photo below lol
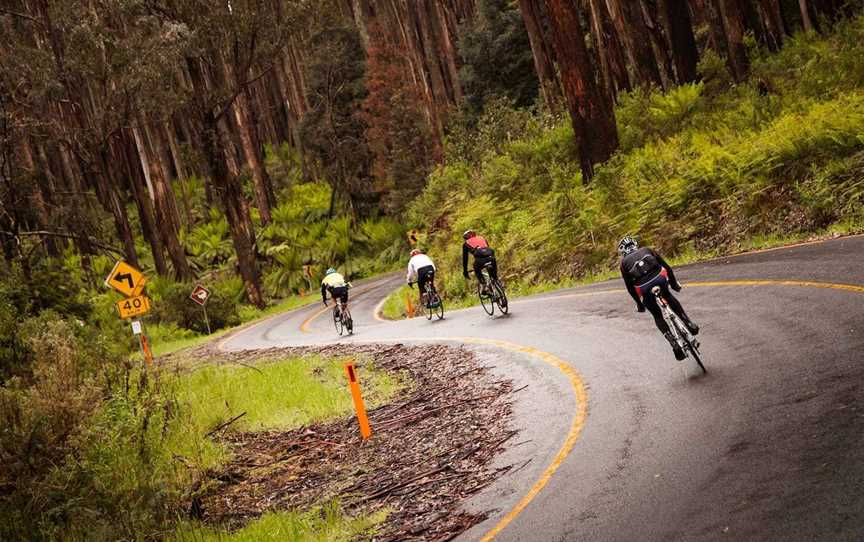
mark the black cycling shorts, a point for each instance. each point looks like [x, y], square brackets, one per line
[341, 292]
[424, 275]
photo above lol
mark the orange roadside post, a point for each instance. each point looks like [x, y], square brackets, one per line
[409, 306]
[145, 347]
[362, 419]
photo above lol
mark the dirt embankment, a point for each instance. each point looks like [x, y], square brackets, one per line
[431, 449]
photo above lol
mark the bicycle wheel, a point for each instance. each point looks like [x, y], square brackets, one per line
[690, 345]
[439, 309]
[348, 323]
[687, 342]
[501, 297]
[337, 321]
[485, 299]
[429, 300]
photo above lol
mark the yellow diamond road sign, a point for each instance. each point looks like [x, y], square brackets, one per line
[126, 279]
[133, 306]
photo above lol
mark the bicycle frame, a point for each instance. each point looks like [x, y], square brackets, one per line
[688, 344]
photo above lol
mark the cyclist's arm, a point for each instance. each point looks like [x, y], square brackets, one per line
[410, 277]
[672, 280]
[631, 288]
[324, 293]
[465, 259]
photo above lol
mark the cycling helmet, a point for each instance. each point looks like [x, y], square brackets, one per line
[468, 234]
[415, 252]
[330, 272]
[627, 245]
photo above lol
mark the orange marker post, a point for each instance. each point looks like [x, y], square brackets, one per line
[362, 419]
[145, 348]
[409, 306]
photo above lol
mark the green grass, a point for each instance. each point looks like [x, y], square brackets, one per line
[167, 339]
[281, 394]
[326, 524]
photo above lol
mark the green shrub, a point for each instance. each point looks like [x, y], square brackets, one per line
[171, 304]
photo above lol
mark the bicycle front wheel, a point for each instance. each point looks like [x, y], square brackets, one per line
[337, 321]
[485, 299]
[439, 309]
[693, 350]
[349, 323]
[430, 298]
[501, 297]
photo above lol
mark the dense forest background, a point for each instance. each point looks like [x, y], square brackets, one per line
[250, 144]
[182, 136]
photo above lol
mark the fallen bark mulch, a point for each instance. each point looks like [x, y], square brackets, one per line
[431, 449]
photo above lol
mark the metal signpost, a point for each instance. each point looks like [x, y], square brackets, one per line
[200, 295]
[130, 282]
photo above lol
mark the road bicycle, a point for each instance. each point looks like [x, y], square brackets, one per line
[433, 304]
[491, 292]
[686, 341]
[342, 318]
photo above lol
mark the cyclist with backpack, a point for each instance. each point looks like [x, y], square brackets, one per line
[642, 269]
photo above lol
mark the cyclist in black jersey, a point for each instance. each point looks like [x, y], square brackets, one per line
[642, 270]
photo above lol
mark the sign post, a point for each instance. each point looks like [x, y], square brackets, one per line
[354, 385]
[130, 282]
[200, 295]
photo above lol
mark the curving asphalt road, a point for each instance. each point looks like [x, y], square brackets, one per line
[622, 445]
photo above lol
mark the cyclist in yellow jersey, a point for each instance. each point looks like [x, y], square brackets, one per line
[337, 286]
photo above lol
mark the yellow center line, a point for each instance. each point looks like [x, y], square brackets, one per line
[577, 385]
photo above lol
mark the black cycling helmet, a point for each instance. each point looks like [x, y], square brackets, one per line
[627, 245]
[468, 234]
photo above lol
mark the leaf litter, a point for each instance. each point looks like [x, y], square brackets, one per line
[431, 449]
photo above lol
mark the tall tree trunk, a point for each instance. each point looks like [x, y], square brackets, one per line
[230, 193]
[542, 52]
[630, 25]
[592, 118]
[165, 205]
[805, 16]
[610, 48]
[682, 40]
[774, 21]
[263, 187]
[705, 12]
[180, 167]
[730, 14]
[660, 45]
[39, 197]
[118, 210]
[144, 205]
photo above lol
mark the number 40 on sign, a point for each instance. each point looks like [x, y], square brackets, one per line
[133, 306]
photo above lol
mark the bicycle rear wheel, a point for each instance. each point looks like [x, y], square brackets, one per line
[337, 321]
[439, 309]
[501, 297]
[430, 298]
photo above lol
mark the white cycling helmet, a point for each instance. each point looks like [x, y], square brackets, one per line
[627, 245]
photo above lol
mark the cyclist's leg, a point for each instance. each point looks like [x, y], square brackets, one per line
[493, 269]
[676, 307]
[343, 295]
[478, 268]
[422, 279]
[650, 303]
